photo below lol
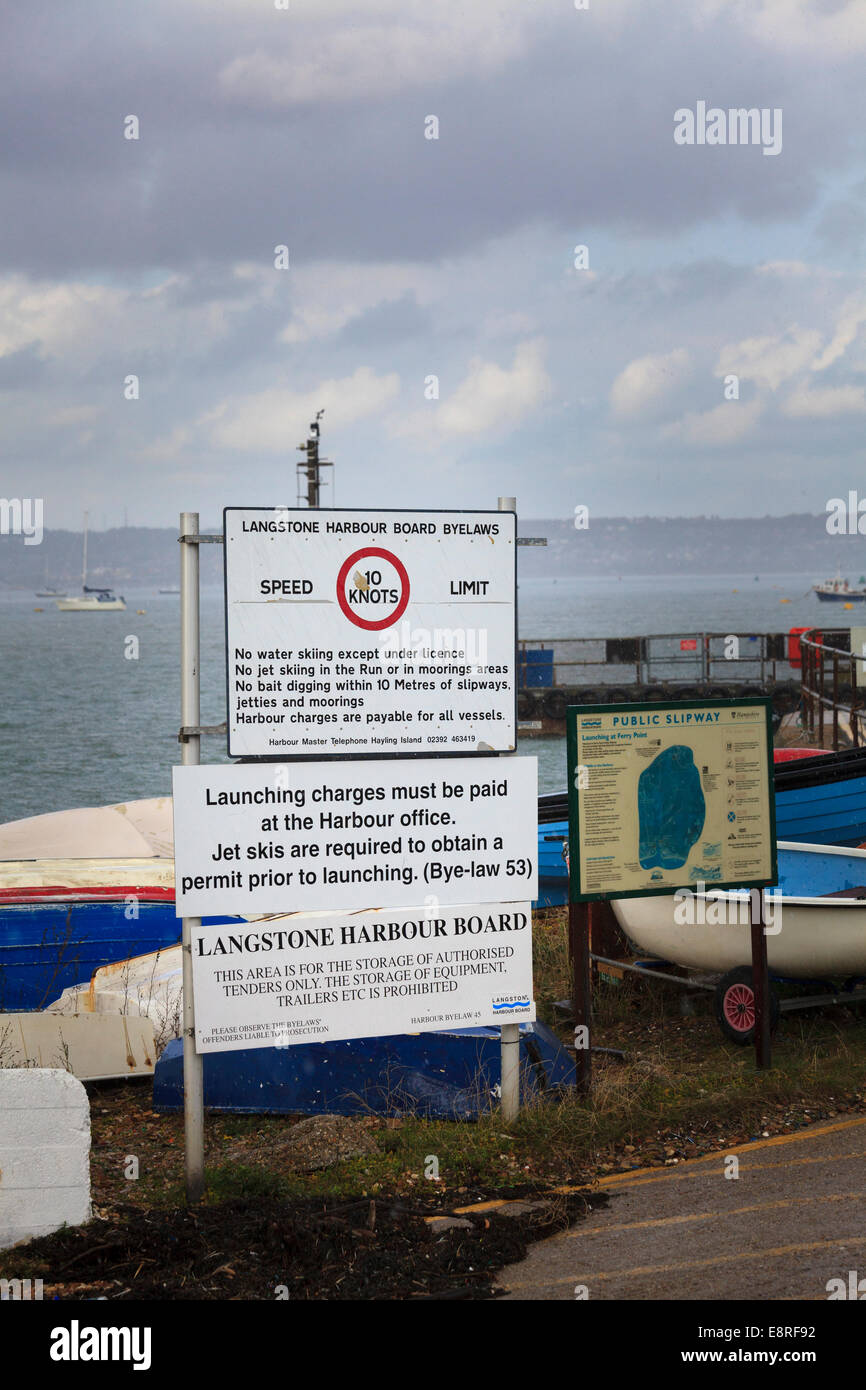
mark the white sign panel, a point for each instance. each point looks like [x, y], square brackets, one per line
[280, 837]
[351, 632]
[307, 979]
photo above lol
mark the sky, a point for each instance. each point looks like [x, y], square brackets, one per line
[433, 303]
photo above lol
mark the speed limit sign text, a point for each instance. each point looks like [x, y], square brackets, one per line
[353, 632]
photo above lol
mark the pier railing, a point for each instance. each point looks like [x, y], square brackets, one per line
[833, 683]
[700, 658]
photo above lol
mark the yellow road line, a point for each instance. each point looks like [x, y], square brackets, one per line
[641, 1176]
[777, 1251]
[758, 1167]
[716, 1215]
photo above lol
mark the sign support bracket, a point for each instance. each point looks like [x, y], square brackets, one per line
[196, 730]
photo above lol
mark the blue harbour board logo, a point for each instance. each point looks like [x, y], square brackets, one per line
[509, 1001]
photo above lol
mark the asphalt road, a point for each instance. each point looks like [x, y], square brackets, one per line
[793, 1219]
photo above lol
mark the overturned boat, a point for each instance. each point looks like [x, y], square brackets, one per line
[81, 889]
[451, 1074]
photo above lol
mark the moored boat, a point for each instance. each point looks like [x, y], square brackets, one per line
[838, 590]
[91, 600]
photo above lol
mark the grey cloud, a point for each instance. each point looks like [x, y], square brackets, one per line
[23, 368]
[576, 131]
[391, 322]
[842, 228]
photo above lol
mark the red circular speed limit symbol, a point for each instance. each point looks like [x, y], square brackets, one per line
[373, 595]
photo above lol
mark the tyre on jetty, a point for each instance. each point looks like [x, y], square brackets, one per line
[555, 704]
[527, 706]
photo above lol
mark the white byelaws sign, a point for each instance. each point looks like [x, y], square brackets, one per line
[354, 632]
[297, 837]
[310, 979]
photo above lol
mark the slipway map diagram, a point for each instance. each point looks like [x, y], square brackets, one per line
[671, 808]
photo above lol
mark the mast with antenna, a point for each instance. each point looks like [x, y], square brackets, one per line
[308, 468]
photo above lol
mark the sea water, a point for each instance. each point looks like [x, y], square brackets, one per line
[83, 723]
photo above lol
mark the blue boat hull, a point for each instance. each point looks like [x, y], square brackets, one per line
[841, 596]
[49, 946]
[451, 1075]
[829, 813]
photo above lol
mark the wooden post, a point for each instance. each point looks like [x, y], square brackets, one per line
[581, 1001]
[760, 983]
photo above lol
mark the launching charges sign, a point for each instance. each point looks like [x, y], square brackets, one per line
[358, 632]
[301, 837]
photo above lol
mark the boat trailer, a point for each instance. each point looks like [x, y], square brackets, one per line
[733, 993]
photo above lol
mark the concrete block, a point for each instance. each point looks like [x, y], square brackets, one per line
[44, 1153]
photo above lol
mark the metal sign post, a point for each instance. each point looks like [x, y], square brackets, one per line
[509, 1033]
[190, 737]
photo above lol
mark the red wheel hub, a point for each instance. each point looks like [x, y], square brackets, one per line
[739, 1007]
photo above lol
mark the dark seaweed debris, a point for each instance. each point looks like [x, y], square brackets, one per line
[264, 1248]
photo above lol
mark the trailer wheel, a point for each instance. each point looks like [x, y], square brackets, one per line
[735, 1006]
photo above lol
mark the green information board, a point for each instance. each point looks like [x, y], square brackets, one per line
[670, 795]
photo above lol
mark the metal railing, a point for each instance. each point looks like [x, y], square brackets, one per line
[694, 657]
[832, 678]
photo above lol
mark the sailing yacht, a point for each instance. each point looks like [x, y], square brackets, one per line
[92, 600]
